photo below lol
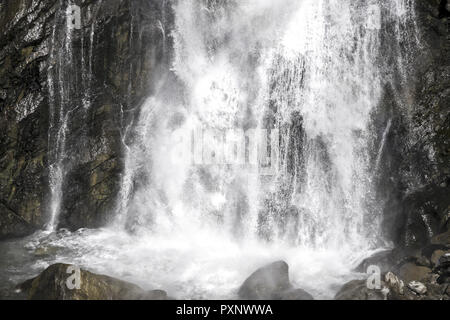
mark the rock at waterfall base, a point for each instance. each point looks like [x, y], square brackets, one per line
[271, 283]
[417, 287]
[410, 272]
[443, 269]
[393, 287]
[358, 290]
[53, 284]
[384, 260]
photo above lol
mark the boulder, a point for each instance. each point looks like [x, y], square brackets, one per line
[293, 294]
[436, 256]
[383, 259]
[417, 287]
[358, 290]
[271, 283]
[442, 239]
[55, 283]
[411, 272]
[389, 259]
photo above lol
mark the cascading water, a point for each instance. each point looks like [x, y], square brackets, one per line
[65, 83]
[309, 70]
[59, 83]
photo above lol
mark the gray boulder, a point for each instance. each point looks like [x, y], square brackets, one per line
[357, 290]
[271, 283]
[52, 284]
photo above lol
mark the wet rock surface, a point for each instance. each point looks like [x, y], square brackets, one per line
[271, 283]
[23, 115]
[127, 53]
[357, 290]
[114, 58]
[422, 274]
[55, 283]
[384, 260]
[416, 179]
[415, 172]
[394, 290]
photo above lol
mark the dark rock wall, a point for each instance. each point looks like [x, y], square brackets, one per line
[23, 114]
[96, 79]
[416, 163]
[128, 56]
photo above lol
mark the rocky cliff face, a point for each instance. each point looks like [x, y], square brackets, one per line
[429, 144]
[24, 114]
[416, 167]
[56, 114]
[416, 180]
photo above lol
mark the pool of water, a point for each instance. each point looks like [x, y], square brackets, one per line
[204, 266]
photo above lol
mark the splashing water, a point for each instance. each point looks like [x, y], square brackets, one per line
[311, 69]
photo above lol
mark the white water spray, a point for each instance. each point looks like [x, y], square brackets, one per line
[382, 145]
[309, 71]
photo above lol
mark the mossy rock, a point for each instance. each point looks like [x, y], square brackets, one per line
[55, 283]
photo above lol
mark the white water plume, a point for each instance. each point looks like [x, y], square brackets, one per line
[247, 63]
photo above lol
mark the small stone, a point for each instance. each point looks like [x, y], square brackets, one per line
[418, 287]
[391, 278]
[433, 278]
[394, 282]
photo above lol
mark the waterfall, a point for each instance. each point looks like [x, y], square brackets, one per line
[59, 83]
[70, 73]
[310, 69]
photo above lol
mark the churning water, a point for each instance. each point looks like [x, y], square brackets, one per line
[310, 69]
